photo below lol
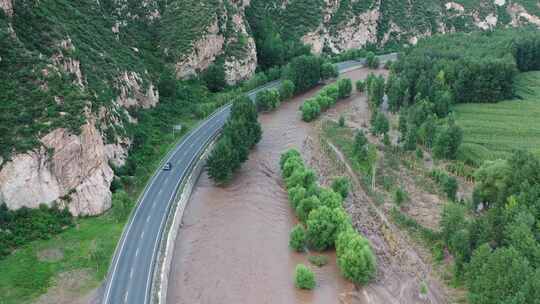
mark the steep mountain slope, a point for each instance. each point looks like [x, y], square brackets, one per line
[72, 72]
[334, 26]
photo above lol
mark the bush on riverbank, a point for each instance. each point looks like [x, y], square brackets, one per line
[297, 238]
[304, 277]
[355, 257]
[268, 100]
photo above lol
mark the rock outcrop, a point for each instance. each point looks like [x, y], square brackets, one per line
[71, 170]
[227, 32]
[7, 7]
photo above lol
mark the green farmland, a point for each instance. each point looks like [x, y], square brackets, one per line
[494, 130]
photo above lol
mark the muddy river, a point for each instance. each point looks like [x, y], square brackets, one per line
[233, 246]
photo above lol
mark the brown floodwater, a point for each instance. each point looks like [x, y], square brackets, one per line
[233, 246]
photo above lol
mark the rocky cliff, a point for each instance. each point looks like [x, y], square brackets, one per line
[334, 26]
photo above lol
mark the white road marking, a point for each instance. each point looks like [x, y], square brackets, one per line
[137, 252]
[131, 273]
[148, 219]
[142, 234]
[126, 297]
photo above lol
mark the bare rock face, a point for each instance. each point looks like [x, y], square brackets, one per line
[214, 43]
[132, 92]
[520, 15]
[70, 169]
[7, 6]
[241, 68]
[204, 52]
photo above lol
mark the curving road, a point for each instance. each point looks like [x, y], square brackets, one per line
[130, 275]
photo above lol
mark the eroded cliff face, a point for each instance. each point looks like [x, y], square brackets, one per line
[355, 24]
[7, 7]
[70, 163]
[71, 170]
[227, 37]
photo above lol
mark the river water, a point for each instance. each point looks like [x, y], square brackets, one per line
[233, 246]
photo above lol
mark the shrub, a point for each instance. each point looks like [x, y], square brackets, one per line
[328, 70]
[297, 238]
[286, 91]
[318, 260]
[304, 277]
[291, 153]
[360, 147]
[372, 61]
[267, 100]
[305, 206]
[121, 206]
[344, 88]
[355, 257]
[341, 121]
[304, 71]
[448, 183]
[296, 195]
[324, 225]
[400, 196]
[380, 124]
[214, 77]
[360, 86]
[330, 198]
[341, 185]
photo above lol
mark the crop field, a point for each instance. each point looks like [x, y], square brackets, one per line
[494, 130]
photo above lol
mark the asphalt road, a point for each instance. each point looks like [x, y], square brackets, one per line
[130, 276]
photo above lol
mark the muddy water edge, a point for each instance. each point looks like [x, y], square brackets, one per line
[233, 245]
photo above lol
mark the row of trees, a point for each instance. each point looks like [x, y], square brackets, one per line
[327, 97]
[240, 134]
[324, 222]
[21, 226]
[497, 252]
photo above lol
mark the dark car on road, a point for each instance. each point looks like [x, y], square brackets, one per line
[167, 167]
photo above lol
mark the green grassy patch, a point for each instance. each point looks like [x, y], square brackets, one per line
[494, 130]
[343, 139]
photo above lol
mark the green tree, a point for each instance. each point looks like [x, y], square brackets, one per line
[214, 77]
[324, 225]
[447, 142]
[372, 61]
[297, 238]
[221, 161]
[286, 90]
[267, 100]
[381, 125]
[328, 70]
[306, 206]
[304, 277]
[376, 91]
[304, 72]
[355, 257]
[501, 276]
[360, 147]
[341, 185]
[360, 86]
[344, 88]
